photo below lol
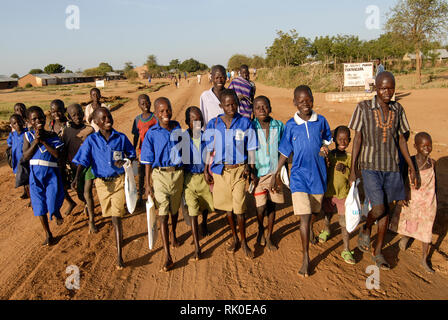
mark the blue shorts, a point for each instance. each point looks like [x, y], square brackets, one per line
[383, 187]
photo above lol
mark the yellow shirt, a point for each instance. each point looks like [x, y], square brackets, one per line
[337, 182]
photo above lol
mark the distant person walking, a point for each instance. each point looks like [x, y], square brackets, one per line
[379, 68]
[199, 78]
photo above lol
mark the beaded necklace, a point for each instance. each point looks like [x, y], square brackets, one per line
[383, 125]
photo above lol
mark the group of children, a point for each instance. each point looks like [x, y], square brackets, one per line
[223, 158]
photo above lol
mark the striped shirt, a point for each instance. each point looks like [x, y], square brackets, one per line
[380, 138]
[247, 90]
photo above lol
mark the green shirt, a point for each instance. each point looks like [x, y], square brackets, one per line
[337, 182]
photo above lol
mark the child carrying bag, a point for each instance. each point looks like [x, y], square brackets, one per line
[352, 207]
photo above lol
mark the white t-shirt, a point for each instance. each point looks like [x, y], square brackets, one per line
[209, 105]
[89, 111]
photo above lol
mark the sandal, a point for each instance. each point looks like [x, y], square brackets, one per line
[323, 236]
[363, 241]
[381, 262]
[348, 256]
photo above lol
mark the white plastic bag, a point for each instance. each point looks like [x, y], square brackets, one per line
[352, 208]
[284, 176]
[130, 189]
[366, 207]
[151, 219]
[185, 211]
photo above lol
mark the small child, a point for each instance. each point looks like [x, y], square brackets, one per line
[73, 136]
[105, 151]
[338, 172]
[234, 143]
[95, 95]
[198, 197]
[15, 141]
[42, 149]
[164, 174]
[57, 125]
[307, 136]
[20, 109]
[141, 125]
[270, 132]
[414, 218]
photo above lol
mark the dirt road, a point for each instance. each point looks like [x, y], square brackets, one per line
[30, 271]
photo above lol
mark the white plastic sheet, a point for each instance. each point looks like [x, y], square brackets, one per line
[352, 207]
[130, 188]
[151, 219]
[284, 176]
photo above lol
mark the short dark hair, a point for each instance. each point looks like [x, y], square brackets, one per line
[18, 118]
[95, 89]
[143, 96]
[228, 93]
[101, 109]
[220, 68]
[340, 129]
[188, 112]
[266, 99]
[422, 135]
[162, 99]
[383, 75]
[75, 105]
[20, 105]
[34, 109]
[58, 103]
[305, 88]
[244, 66]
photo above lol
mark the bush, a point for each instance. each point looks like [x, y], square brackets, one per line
[28, 85]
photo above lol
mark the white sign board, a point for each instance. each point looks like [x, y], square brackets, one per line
[100, 83]
[355, 74]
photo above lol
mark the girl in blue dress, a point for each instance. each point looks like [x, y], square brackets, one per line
[41, 149]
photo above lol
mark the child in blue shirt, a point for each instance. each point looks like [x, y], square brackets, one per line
[42, 149]
[198, 197]
[307, 136]
[105, 151]
[164, 175]
[15, 141]
[234, 141]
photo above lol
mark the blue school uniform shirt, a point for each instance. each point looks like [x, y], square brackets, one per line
[15, 141]
[42, 152]
[101, 154]
[160, 147]
[304, 139]
[194, 158]
[266, 156]
[231, 145]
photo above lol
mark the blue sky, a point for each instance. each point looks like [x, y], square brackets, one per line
[116, 31]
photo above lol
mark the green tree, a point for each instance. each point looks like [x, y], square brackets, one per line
[321, 49]
[237, 60]
[15, 75]
[68, 71]
[257, 62]
[190, 65]
[419, 22]
[129, 72]
[36, 71]
[101, 70]
[288, 49]
[54, 68]
[174, 64]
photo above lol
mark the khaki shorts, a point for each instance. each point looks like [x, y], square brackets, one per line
[263, 192]
[167, 190]
[111, 196]
[305, 203]
[229, 190]
[197, 194]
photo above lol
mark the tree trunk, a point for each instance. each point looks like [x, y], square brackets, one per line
[418, 65]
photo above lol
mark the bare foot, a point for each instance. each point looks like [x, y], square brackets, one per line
[92, 228]
[24, 196]
[169, 264]
[261, 240]
[304, 271]
[271, 246]
[249, 253]
[233, 246]
[71, 206]
[403, 243]
[427, 267]
[196, 256]
[313, 238]
[120, 264]
[49, 241]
